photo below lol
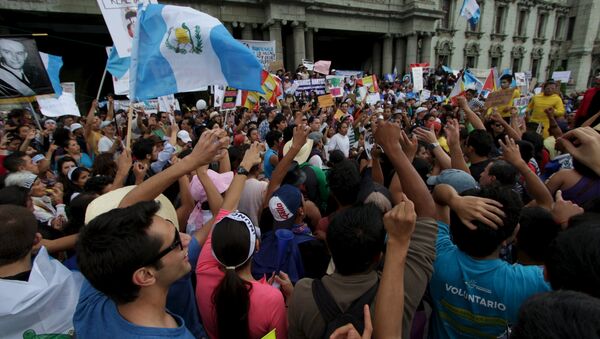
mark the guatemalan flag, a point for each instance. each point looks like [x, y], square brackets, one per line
[470, 10]
[178, 49]
[53, 64]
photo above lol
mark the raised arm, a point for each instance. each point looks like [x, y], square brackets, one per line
[457, 159]
[87, 131]
[469, 114]
[232, 197]
[497, 118]
[214, 198]
[110, 112]
[388, 135]
[207, 149]
[535, 186]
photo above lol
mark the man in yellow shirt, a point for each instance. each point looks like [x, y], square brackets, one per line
[546, 102]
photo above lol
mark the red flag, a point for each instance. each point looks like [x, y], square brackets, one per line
[490, 82]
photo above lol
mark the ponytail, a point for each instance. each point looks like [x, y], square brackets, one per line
[232, 305]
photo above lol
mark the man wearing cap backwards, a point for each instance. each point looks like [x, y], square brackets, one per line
[547, 102]
[125, 291]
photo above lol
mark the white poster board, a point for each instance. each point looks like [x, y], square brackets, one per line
[561, 76]
[56, 107]
[417, 73]
[263, 50]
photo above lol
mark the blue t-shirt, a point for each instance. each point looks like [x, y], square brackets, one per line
[97, 316]
[477, 298]
[267, 167]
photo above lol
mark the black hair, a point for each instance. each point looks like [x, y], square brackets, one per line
[273, 137]
[17, 233]
[231, 243]
[527, 150]
[142, 148]
[14, 195]
[481, 141]
[355, 238]
[114, 245]
[573, 259]
[505, 173]
[344, 182]
[558, 314]
[484, 240]
[77, 209]
[277, 120]
[13, 161]
[61, 135]
[536, 232]
[104, 164]
[538, 144]
[96, 184]
[508, 77]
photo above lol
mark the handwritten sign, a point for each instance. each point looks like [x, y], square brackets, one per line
[499, 98]
[325, 100]
[335, 84]
[263, 50]
[417, 73]
[561, 76]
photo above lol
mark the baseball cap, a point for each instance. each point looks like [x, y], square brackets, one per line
[75, 126]
[420, 109]
[111, 200]
[459, 180]
[106, 123]
[184, 136]
[284, 204]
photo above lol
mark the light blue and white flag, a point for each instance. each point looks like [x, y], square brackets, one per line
[447, 69]
[53, 64]
[178, 49]
[471, 82]
[470, 10]
[117, 66]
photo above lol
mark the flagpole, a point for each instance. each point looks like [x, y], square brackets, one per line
[102, 81]
[37, 122]
[129, 122]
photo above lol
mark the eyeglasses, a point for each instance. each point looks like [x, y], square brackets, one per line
[176, 243]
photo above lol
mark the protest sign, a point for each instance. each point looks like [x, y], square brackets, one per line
[167, 103]
[424, 65]
[322, 66]
[28, 76]
[348, 74]
[561, 76]
[370, 82]
[335, 85]
[56, 107]
[149, 106]
[229, 98]
[308, 64]
[310, 85]
[325, 100]
[425, 94]
[362, 92]
[524, 101]
[338, 115]
[499, 98]
[120, 18]
[218, 93]
[68, 87]
[417, 73]
[373, 98]
[264, 51]
[520, 79]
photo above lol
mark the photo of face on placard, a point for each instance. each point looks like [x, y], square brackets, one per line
[22, 73]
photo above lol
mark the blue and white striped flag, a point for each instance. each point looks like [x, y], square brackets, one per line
[178, 49]
[471, 82]
[53, 64]
[470, 10]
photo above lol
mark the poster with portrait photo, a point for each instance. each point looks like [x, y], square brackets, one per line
[22, 72]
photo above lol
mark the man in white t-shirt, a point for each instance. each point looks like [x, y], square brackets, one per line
[109, 143]
[340, 140]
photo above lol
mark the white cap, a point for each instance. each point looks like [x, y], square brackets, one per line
[75, 126]
[184, 136]
[420, 109]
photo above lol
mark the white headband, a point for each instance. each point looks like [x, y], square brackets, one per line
[254, 234]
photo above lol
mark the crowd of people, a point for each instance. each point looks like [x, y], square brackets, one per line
[411, 217]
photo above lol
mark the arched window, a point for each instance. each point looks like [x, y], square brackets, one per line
[471, 54]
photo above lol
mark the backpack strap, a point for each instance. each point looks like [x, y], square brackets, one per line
[327, 306]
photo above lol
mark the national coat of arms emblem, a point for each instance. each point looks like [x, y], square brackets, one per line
[181, 40]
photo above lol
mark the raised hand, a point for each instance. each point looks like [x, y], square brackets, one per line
[469, 209]
[510, 151]
[400, 221]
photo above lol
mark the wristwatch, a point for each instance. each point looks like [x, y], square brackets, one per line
[434, 145]
[241, 170]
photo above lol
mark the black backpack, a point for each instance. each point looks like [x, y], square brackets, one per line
[331, 313]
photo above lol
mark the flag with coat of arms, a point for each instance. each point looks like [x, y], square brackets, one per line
[179, 49]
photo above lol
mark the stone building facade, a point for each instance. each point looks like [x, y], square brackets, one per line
[383, 35]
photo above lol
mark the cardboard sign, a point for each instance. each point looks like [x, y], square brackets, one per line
[325, 100]
[561, 76]
[308, 64]
[499, 98]
[338, 115]
[275, 66]
[322, 66]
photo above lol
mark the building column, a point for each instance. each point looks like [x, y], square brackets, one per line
[309, 39]
[299, 46]
[376, 69]
[426, 49]
[387, 56]
[246, 31]
[580, 64]
[275, 34]
[399, 63]
[411, 51]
